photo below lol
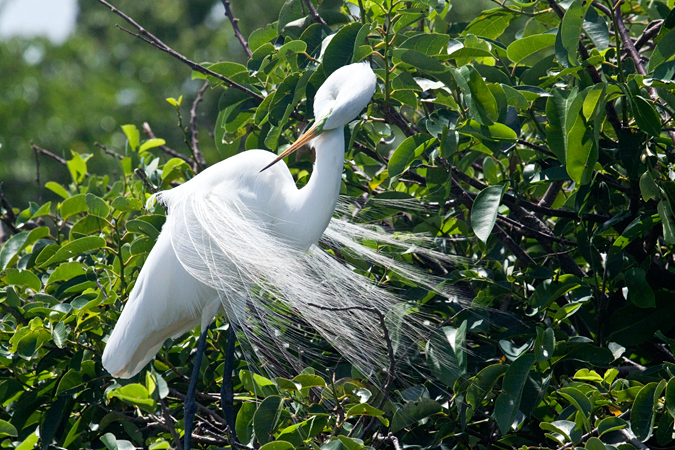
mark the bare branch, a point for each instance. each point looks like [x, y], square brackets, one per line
[235, 26]
[151, 39]
[199, 157]
[49, 154]
[108, 151]
[145, 180]
[314, 13]
[37, 175]
[169, 424]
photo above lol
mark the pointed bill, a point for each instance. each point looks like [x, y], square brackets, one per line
[302, 140]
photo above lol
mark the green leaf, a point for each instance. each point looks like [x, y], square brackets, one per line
[135, 394]
[588, 375]
[422, 61]
[514, 97]
[580, 402]
[596, 29]
[266, 417]
[278, 445]
[244, 422]
[59, 335]
[494, 132]
[562, 431]
[142, 227]
[412, 412]
[648, 187]
[482, 384]
[364, 409]
[29, 443]
[16, 277]
[340, 49]
[262, 36]
[78, 166]
[482, 104]
[132, 134]
[639, 291]
[642, 412]
[610, 424]
[663, 51]
[522, 48]
[292, 47]
[151, 143]
[667, 220]
[75, 248]
[97, 206]
[126, 204]
[571, 27]
[670, 396]
[57, 189]
[73, 205]
[70, 381]
[411, 147]
[490, 24]
[581, 151]
[67, 271]
[7, 429]
[592, 100]
[544, 345]
[508, 402]
[427, 43]
[484, 211]
[309, 380]
[646, 117]
[11, 249]
[445, 354]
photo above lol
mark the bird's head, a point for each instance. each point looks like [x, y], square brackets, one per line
[337, 102]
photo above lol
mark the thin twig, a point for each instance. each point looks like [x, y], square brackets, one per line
[169, 424]
[635, 55]
[536, 147]
[144, 179]
[49, 154]
[151, 39]
[650, 32]
[200, 407]
[314, 13]
[108, 151]
[37, 175]
[169, 151]
[235, 26]
[9, 219]
[199, 157]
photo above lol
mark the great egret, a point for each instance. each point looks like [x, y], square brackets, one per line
[240, 240]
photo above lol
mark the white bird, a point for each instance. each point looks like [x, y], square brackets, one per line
[241, 239]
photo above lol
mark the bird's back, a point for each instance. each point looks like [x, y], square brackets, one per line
[168, 298]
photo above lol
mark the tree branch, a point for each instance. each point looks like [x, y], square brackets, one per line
[112, 153]
[235, 26]
[151, 39]
[139, 172]
[314, 13]
[199, 157]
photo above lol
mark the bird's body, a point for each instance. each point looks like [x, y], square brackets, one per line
[242, 241]
[167, 299]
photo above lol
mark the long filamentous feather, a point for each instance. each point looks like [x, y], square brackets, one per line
[233, 251]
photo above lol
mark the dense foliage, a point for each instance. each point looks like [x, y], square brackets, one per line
[539, 133]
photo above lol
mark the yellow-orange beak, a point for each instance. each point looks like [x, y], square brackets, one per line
[302, 140]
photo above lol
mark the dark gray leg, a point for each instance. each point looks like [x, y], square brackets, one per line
[190, 407]
[226, 389]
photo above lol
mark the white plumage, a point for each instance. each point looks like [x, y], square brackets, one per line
[242, 241]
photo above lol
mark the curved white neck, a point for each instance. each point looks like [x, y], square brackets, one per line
[311, 208]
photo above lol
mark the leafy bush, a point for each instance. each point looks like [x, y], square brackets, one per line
[547, 148]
